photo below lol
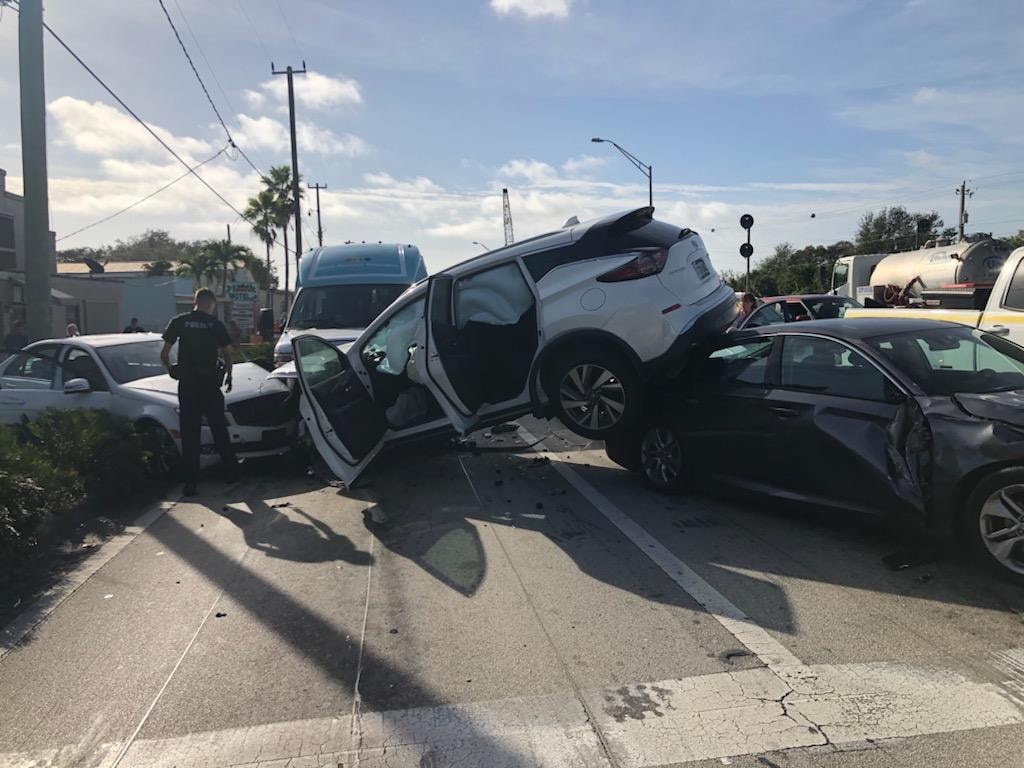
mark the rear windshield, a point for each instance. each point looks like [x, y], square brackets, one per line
[947, 361]
[342, 306]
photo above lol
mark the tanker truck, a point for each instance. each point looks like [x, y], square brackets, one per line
[942, 273]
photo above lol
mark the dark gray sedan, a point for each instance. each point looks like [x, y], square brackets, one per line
[886, 416]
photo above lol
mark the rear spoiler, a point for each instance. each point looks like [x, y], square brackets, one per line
[632, 220]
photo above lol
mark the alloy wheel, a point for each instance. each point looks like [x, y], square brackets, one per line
[1001, 521]
[592, 396]
[661, 456]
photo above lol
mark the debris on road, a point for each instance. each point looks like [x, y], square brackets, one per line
[220, 614]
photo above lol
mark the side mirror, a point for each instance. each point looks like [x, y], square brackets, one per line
[76, 386]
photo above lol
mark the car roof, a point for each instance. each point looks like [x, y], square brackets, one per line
[853, 328]
[362, 263]
[103, 339]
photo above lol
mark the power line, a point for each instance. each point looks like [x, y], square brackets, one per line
[152, 194]
[255, 29]
[289, 28]
[213, 72]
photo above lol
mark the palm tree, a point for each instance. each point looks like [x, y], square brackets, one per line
[278, 182]
[261, 213]
[158, 268]
[197, 265]
[225, 255]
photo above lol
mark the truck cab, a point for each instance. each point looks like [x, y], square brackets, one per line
[341, 289]
[851, 275]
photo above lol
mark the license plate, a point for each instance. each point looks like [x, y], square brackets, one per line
[702, 268]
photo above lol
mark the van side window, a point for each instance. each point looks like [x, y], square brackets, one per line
[1015, 294]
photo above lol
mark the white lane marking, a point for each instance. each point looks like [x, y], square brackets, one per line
[716, 716]
[1011, 663]
[765, 647]
[356, 731]
[35, 613]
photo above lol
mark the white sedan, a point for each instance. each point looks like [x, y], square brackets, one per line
[122, 373]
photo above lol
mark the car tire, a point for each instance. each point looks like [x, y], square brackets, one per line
[662, 459]
[993, 523]
[164, 458]
[595, 392]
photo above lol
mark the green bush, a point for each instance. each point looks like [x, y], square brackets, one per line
[103, 449]
[32, 490]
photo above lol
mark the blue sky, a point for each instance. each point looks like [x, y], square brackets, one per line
[418, 113]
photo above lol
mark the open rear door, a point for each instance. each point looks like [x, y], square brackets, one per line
[449, 363]
[346, 426]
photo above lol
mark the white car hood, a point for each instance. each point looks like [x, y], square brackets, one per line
[247, 379]
[333, 335]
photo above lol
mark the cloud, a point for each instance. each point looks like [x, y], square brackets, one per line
[316, 91]
[532, 9]
[95, 128]
[386, 180]
[268, 133]
[583, 163]
[532, 170]
[255, 99]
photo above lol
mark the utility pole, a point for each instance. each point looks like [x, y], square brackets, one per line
[229, 234]
[295, 154]
[963, 193]
[38, 263]
[319, 227]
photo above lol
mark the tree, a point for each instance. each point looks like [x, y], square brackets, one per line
[159, 268]
[226, 256]
[1016, 241]
[894, 229]
[197, 265]
[262, 215]
[265, 278]
[792, 271]
[278, 182]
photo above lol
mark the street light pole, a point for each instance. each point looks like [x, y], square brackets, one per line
[644, 168]
[290, 72]
[475, 242]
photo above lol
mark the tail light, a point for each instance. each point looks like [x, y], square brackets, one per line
[649, 261]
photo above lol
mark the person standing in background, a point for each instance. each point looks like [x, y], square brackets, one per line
[134, 327]
[72, 331]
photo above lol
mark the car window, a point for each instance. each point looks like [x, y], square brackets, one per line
[319, 362]
[745, 363]
[1015, 293]
[79, 364]
[769, 314]
[36, 369]
[827, 367]
[387, 350]
[792, 310]
[829, 309]
[946, 361]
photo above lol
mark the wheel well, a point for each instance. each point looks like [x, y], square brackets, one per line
[149, 421]
[957, 508]
[577, 340]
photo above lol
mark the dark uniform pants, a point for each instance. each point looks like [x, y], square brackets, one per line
[199, 395]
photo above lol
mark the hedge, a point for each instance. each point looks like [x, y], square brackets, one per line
[56, 461]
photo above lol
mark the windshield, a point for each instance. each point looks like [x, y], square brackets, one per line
[830, 308]
[131, 362]
[947, 361]
[342, 306]
[840, 273]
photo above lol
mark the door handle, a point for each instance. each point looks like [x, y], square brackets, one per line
[784, 413]
[999, 330]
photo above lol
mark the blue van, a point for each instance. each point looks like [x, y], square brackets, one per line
[340, 289]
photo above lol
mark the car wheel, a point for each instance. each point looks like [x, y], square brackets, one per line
[661, 459]
[164, 459]
[994, 522]
[596, 394]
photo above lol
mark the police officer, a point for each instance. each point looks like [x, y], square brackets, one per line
[200, 335]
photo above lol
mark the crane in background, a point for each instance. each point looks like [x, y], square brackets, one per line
[507, 214]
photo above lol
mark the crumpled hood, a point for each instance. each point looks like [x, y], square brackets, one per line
[1007, 407]
[333, 335]
[247, 380]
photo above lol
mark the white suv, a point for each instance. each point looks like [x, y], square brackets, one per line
[570, 324]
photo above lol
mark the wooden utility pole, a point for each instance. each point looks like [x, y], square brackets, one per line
[295, 154]
[963, 193]
[38, 258]
[319, 227]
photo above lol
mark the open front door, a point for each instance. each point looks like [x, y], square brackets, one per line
[345, 424]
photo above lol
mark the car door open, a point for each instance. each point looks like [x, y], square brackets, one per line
[343, 421]
[481, 341]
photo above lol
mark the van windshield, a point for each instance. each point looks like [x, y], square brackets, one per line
[342, 306]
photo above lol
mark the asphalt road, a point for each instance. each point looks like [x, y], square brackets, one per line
[517, 608]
